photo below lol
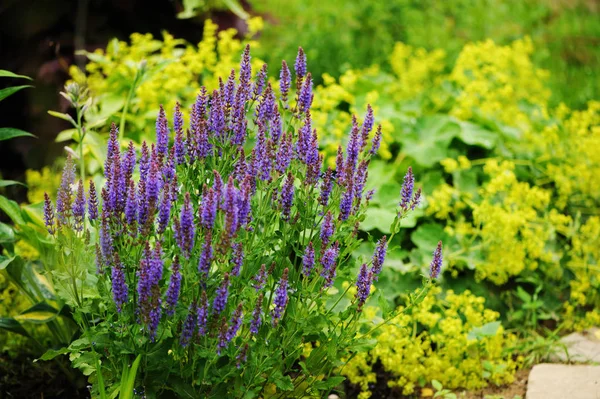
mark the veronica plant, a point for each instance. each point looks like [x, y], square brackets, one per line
[220, 249]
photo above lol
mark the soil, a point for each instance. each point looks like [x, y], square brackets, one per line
[516, 389]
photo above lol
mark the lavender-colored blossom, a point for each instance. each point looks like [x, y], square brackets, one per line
[201, 104]
[308, 260]
[144, 161]
[353, 149]
[188, 326]
[326, 187]
[156, 265]
[164, 210]
[229, 90]
[436, 264]
[128, 162]
[245, 73]
[407, 189]
[154, 319]
[162, 133]
[206, 256]
[242, 356]
[416, 200]
[265, 111]
[376, 141]
[281, 298]
[119, 286]
[327, 229]
[172, 295]
[379, 257]
[363, 285]
[328, 261]
[217, 115]
[153, 184]
[112, 149]
[276, 125]
[203, 145]
[262, 160]
[305, 97]
[185, 230]
[346, 202]
[284, 155]
[64, 195]
[260, 279]
[106, 241]
[131, 205]
[244, 202]
[231, 208]
[179, 140]
[300, 64]
[313, 160]
[208, 211]
[92, 202]
[79, 207]
[48, 214]
[221, 296]
[237, 258]
[285, 81]
[222, 342]
[202, 318]
[287, 196]
[99, 260]
[360, 179]
[339, 167]
[219, 188]
[367, 126]
[235, 323]
[261, 78]
[257, 315]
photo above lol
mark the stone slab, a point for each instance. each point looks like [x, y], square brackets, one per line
[580, 347]
[559, 381]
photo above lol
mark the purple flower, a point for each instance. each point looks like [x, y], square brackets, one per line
[416, 200]
[222, 344]
[257, 315]
[287, 197]
[300, 64]
[92, 202]
[265, 111]
[276, 127]
[328, 260]
[367, 126]
[235, 323]
[164, 209]
[436, 264]
[79, 207]
[354, 146]
[284, 155]
[119, 286]
[202, 314]
[162, 133]
[143, 208]
[360, 179]
[221, 296]
[63, 198]
[206, 256]
[407, 189]
[363, 285]
[305, 97]
[217, 115]
[174, 287]
[346, 202]
[260, 279]
[379, 257]
[128, 162]
[244, 202]
[154, 320]
[179, 141]
[245, 73]
[339, 167]
[308, 260]
[99, 260]
[218, 186]
[231, 208]
[259, 84]
[229, 90]
[237, 258]
[188, 326]
[185, 230]
[285, 82]
[106, 242]
[326, 187]
[112, 149]
[281, 298]
[327, 229]
[204, 146]
[144, 161]
[48, 214]
[376, 141]
[242, 356]
[153, 184]
[201, 103]
[131, 205]
[208, 209]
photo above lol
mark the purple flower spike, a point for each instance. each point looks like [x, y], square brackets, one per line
[257, 315]
[407, 189]
[112, 149]
[162, 133]
[284, 155]
[179, 140]
[285, 81]
[287, 197]
[92, 202]
[229, 91]
[64, 195]
[260, 279]
[244, 202]
[144, 161]
[308, 260]
[327, 229]
[217, 115]
[436, 264]
[379, 257]
[363, 285]
[237, 258]
[206, 256]
[305, 97]
[245, 73]
[326, 187]
[231, 208]
[416, 200]
[79, 207]
[164, 210]
[185, 231]
[188, 326]
[339, 167]
[300, 64]
[48, 214]
[281, 298]
[174, 287]
[221, 296]
[119, 286]
[367, 126]
[202, 314]
[360, 179]
[235, 323]
[261, 78]
[328, 260]
[128, 162]
[209, 209]
[346, 202]
[376, 141]
[106, 242]
[131, 205]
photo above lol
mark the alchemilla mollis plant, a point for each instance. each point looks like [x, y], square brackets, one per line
[215, 256]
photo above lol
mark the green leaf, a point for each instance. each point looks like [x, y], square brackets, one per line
[40, 313]
[129, 380]
[65, 117]
[7, 133]
[12, 325]
[236, 8]
[487, 330]
[65, 135]
[8, 74]
[11, 90]
[6, 183]
[429, 142]
[5, 261]
[473, 134]
[283, 382]
[7, 234]
[12, 209]
[329, 383]
[378, 218]
[52, 353]
[426, 236]
[437, 385]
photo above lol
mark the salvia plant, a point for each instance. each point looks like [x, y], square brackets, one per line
[220, 249]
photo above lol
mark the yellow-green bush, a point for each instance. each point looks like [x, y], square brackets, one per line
[451, 338]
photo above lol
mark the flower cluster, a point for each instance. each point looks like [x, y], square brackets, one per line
[187, 225]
